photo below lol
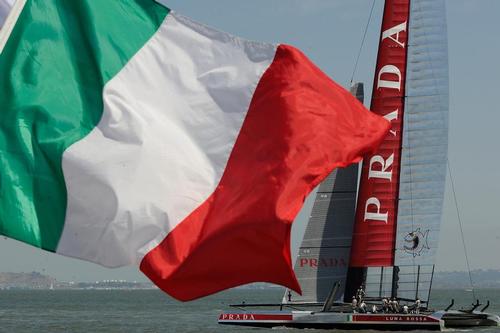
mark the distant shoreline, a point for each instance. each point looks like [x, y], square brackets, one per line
[483, 279]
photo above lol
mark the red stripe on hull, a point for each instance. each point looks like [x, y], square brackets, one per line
[375, 228]
[255, 316]
[300, 126]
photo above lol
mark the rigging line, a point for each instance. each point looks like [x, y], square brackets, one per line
[362, 41]
[461, 230]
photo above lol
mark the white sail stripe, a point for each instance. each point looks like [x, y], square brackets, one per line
[171, 117]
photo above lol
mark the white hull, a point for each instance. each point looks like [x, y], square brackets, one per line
[330, 320]
[461, 319]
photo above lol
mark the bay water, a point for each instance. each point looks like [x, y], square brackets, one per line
[153, 311]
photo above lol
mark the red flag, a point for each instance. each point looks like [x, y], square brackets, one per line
[299, 127]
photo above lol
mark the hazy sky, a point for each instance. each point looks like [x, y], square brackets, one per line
[330, 32]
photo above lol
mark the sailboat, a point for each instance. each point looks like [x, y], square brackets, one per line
[380, 237]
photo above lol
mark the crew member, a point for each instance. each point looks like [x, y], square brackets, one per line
[385, 305]
[362, 307]
[417, 306]
[354, 304]
[360, 294]
[395, 305]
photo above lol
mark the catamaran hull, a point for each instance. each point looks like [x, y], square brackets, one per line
[332, 320]
[460, 319]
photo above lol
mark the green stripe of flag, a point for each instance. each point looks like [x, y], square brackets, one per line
[53, 69]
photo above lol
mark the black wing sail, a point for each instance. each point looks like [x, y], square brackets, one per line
[323, 257]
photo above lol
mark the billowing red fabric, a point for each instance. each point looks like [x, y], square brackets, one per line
[299, 127]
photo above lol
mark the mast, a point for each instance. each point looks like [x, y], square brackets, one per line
[402, 184]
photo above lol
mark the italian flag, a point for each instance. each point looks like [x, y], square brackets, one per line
[132, 135]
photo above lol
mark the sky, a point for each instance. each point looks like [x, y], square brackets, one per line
[330, 33]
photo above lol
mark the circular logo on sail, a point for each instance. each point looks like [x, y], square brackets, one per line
[415, 242]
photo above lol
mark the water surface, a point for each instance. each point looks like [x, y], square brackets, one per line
[152, 311]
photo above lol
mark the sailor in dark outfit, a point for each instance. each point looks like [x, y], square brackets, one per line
[360, 294]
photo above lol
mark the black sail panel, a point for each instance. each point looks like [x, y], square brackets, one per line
[323, 257]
